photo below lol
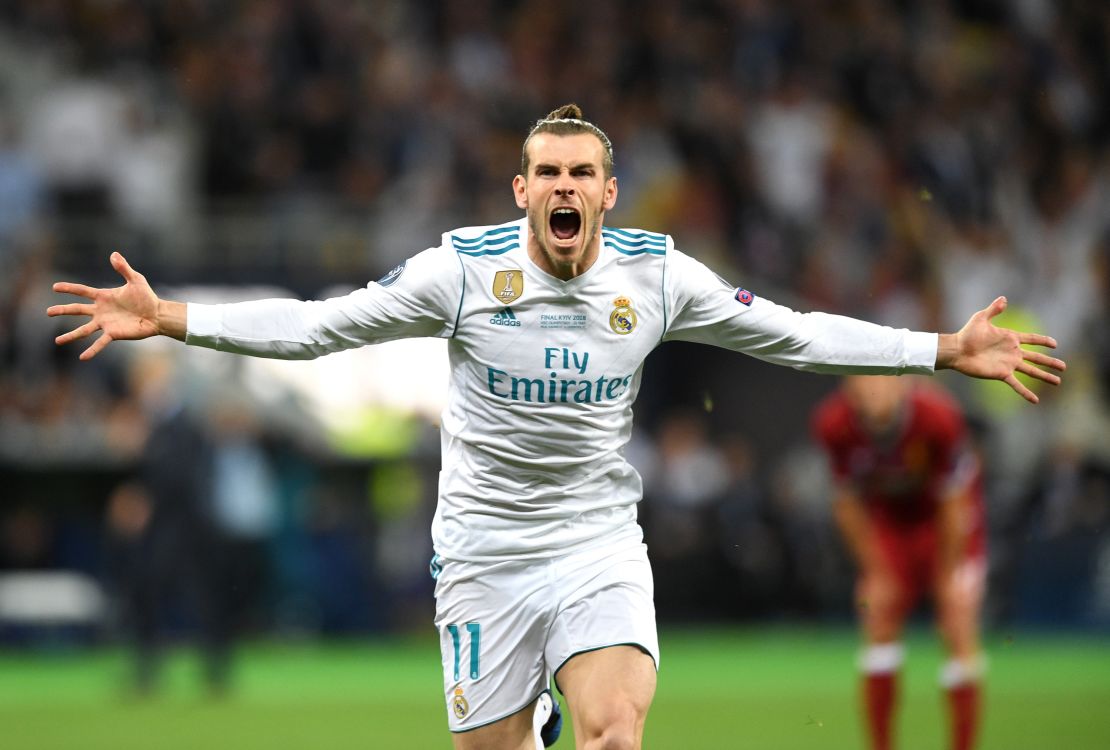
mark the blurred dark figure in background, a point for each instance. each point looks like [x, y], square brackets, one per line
[188, 538]
[683, 516]
[707, 520]
[909, 504]
[244, 510]
[749, 535]
[163, 537]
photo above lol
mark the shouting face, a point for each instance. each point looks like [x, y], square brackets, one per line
[565, 194]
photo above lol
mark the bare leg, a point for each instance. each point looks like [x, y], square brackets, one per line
[882, 614]
[959, 604]
[608, 692]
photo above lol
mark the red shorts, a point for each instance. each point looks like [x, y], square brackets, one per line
[912, 554]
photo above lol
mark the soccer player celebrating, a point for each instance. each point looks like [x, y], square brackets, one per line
[540, 566]
[909, 504]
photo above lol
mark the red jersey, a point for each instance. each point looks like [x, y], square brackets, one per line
[903, 475]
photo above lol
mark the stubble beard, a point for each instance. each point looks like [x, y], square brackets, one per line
[591, 225]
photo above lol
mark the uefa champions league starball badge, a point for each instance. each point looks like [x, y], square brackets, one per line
[623, 319]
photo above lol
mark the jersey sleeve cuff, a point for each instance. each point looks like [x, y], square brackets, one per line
[921, 351]
[203, 324]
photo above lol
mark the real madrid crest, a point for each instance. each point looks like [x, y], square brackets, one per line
[508, 285]
[623, 319]
[459, 705]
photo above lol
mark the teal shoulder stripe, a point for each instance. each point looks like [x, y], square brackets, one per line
[635, 243]
[653, 238]
[491, 242]
[488, 236]
[630, 242]
[488, 249]
[622, 251]
[626, 250]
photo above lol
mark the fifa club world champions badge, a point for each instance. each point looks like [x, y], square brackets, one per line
[623, 319]
[508, 285]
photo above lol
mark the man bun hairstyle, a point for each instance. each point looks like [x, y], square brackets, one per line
[568, 120]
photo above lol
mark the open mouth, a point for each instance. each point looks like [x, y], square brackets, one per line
[565, 223]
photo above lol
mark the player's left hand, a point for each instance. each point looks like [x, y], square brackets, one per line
[983, 350]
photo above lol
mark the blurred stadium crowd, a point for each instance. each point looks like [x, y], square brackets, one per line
[904, 162]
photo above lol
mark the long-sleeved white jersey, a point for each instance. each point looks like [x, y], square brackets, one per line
[544, 371]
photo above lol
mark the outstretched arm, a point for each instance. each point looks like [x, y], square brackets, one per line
[982, 350]
[129, 312]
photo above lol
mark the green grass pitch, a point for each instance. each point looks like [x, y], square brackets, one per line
[764, 689]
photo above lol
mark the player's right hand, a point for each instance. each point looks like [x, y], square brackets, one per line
[128, 312]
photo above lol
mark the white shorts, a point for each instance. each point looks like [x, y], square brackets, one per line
[506, 628]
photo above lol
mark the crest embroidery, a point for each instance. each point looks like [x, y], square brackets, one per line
[508, 285]
[623, 319]
[459, 705]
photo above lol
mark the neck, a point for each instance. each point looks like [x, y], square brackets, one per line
[564, 269]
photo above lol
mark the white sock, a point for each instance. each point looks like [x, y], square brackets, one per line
[955, 672]
[880, 658]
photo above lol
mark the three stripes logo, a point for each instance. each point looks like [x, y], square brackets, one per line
[505, 318]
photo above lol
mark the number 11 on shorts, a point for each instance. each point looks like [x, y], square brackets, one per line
[475, 631]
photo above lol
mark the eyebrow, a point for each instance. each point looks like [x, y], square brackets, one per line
[573, 167]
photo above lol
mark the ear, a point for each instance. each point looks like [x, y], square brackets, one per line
[610, 198]
[520, 191]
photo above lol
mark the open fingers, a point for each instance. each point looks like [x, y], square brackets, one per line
[67, 287]
[97, 345]
[1037, 339]
[1021, 389]
[75, 308]
[77, 333]
[1044, 360]
[1035, 372]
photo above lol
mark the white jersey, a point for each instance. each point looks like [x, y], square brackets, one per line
[544, 371]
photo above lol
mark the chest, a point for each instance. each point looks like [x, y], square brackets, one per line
[903, 467]
[516, 327]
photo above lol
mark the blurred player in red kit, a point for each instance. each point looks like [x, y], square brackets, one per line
[909, 503]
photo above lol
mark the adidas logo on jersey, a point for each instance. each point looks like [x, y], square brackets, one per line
[505, 318]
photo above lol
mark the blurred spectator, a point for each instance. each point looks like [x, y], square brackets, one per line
[244, 508]
[164, 548]
[74, 131]
[151, 177]
[21, 184]
[189, 538]
[790, 140]
[681, 516]
[26, 539]
[749, 537]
